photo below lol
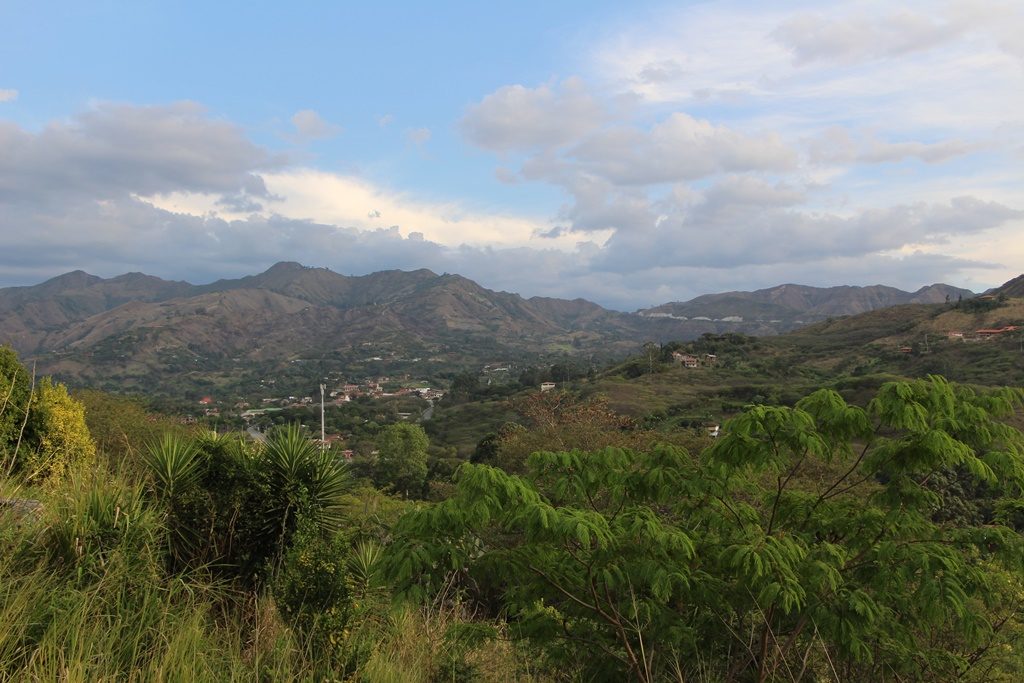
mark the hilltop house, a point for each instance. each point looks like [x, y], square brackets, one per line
[686, 359]
[547, 386]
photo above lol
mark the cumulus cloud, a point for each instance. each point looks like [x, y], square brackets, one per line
[607, 170]
[704, 254]
[515, 117]
[739, 224]
[679, 148]
[8, 95]
[921, 65]
[115, 150]
[756, 138]
[309, 125]
[707, 156]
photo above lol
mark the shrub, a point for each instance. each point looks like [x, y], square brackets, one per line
[234, 506]
[312, 591]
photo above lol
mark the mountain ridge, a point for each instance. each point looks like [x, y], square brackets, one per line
[135, 326]
[792, 305]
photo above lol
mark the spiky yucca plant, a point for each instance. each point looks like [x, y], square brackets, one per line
[175, 466]
[174, 463]
[305, 480]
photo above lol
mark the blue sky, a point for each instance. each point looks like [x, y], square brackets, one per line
[631, 154]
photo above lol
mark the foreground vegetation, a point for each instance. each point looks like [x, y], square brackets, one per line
[820, 541]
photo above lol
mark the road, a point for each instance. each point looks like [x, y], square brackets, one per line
[256, 434]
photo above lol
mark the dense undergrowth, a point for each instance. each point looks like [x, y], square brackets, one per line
[176, 555]
[823, 541]
[87, 594]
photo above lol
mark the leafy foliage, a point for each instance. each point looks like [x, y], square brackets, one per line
[402, 461]
[303, 480]
[312, 589]
[804, 543]
[62, 439]
[123, 428]
[43, 434]
[235, 506]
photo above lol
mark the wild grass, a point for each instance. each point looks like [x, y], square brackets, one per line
[85, 595]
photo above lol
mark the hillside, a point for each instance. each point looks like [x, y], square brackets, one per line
[1014, 288]
[296, 324]
[136, 331]
[789, 306]
[852, 354]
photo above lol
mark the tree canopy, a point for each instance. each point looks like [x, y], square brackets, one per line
[807, 542]
[43, 432]
[402, 460]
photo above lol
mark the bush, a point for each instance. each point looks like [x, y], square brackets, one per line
[43, 434]
[312, 592]
[234, 506]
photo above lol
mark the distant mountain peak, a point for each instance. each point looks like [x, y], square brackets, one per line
[74, 279]
[285, 267]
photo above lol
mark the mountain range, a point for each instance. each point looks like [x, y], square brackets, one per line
[138, 329]
[789, 305]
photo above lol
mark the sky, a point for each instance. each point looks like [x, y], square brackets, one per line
[627, 153]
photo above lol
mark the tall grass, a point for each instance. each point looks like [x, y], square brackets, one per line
[85, 595]
[83, 598]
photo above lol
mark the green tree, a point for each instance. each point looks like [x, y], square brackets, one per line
[15, 393]
[121, 426]
[803, 545]
[402, 459]
[62, 439]
[43, 432]
[464, 386]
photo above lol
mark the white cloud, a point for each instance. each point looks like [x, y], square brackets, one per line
[8, 95]
[837, 145]
[114, 150]
[515, 117]
[813, 37]
[740, 224]
[946, 67]
[877, 32]
[720, 147]
[679, 148]
[310, 126]
[304, 194]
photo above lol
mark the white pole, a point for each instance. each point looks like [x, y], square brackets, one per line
[323, 438]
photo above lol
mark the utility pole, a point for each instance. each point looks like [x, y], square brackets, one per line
[323, 437]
